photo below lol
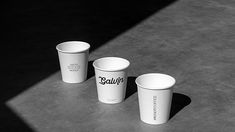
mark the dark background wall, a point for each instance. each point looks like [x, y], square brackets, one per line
[32, 29]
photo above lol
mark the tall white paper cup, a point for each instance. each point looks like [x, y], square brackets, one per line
[73, 57]
[155, 95]
[111, 79]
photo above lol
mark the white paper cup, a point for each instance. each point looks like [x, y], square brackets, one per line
[111, 79]
[73, 57]
[155, 95]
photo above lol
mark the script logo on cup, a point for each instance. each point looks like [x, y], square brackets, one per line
[104, 80]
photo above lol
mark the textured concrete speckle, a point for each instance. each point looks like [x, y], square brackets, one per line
[190, 40]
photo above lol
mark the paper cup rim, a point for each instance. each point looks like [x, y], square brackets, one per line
[114, 69]
[85, 48]
[172, 81]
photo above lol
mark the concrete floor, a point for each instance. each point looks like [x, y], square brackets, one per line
[190, 40]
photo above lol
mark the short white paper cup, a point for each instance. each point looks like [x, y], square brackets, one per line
[111, 79]
[73, 58]
[155, 96]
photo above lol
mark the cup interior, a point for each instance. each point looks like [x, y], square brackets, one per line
[111, 64]
[155, 81]
[73, 46]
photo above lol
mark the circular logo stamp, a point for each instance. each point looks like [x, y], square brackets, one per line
[74, 67]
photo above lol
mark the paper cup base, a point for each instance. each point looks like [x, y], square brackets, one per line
[72, 81]
[110, 102]
[154, 123]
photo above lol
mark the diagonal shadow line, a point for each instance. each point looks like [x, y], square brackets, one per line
[131, 86]
[32, 29]
[90, 70]
[10, 122]
[179, 101]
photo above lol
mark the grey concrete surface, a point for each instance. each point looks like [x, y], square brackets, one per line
[190, 40]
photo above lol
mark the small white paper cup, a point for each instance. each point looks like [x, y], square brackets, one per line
[111, 79]
[73, 58]
[155, 96]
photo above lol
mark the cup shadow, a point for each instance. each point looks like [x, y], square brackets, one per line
[131, 86]
[179, 101]
[90, 70]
